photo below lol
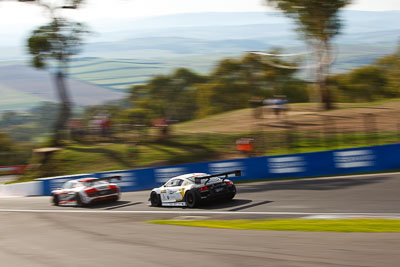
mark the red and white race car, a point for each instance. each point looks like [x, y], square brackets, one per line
[86, 191]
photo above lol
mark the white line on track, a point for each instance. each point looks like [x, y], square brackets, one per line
[198, 212]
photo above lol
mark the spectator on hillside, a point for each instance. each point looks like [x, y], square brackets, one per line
[75, 126]
[94, 125]
[105, 125]
[278, 104]
[162, 124]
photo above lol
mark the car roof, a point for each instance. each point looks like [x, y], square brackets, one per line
[190, 175]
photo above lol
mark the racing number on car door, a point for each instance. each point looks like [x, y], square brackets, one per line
[171, 193]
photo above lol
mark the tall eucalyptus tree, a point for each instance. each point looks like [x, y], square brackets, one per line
[318, 22]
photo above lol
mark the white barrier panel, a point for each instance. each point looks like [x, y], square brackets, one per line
[21, 189]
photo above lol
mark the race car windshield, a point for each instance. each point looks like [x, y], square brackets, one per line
[68, 185]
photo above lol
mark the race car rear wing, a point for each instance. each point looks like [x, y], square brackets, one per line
[198, 180]
[117, 177]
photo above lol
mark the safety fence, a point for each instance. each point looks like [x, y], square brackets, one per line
[326, 163]
[364, 126]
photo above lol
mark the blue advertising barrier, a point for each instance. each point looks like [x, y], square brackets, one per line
[326, 163]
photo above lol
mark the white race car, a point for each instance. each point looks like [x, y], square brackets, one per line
[86, 191]
[194, 188]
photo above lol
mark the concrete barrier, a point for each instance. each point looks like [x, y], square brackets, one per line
[21, 189]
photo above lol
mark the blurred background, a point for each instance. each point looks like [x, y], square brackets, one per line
[90, 86]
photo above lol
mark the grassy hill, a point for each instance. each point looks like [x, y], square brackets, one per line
[214, 137]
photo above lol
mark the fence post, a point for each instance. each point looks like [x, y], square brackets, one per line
[330, 128]
[290, 135]
[370, 124]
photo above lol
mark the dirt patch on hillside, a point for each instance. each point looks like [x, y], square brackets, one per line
[382, 116]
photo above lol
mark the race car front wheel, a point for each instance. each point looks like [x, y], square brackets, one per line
[191, 199]
[78, 198]
[155, 199]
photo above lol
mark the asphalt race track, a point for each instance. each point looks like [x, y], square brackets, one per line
[35, 233]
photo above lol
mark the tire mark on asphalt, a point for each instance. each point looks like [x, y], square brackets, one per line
[251, 205]
[123, 205]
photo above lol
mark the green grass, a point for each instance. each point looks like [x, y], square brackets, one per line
[303, 142]
[96, 154]
[313, 225]
[95, 157]
[276, 143]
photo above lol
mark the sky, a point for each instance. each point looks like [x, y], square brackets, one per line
[18, 13]
[18, 19]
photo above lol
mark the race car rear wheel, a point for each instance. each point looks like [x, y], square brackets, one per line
[191, 199]
[116, 199]
[55, 200]
[155, 199]
[230, 196]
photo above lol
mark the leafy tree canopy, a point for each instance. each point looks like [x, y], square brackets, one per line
[372, 82]
[59, 40]
[319, 22]
[315, 18]
[185, 95]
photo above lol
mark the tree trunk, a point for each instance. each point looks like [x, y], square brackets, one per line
[65, 109]
[322, 74]
[326, 97]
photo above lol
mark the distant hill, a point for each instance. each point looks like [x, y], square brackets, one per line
[125, 52]
[119, 37]
[202, 37]
[22, 87]
[234, 25]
